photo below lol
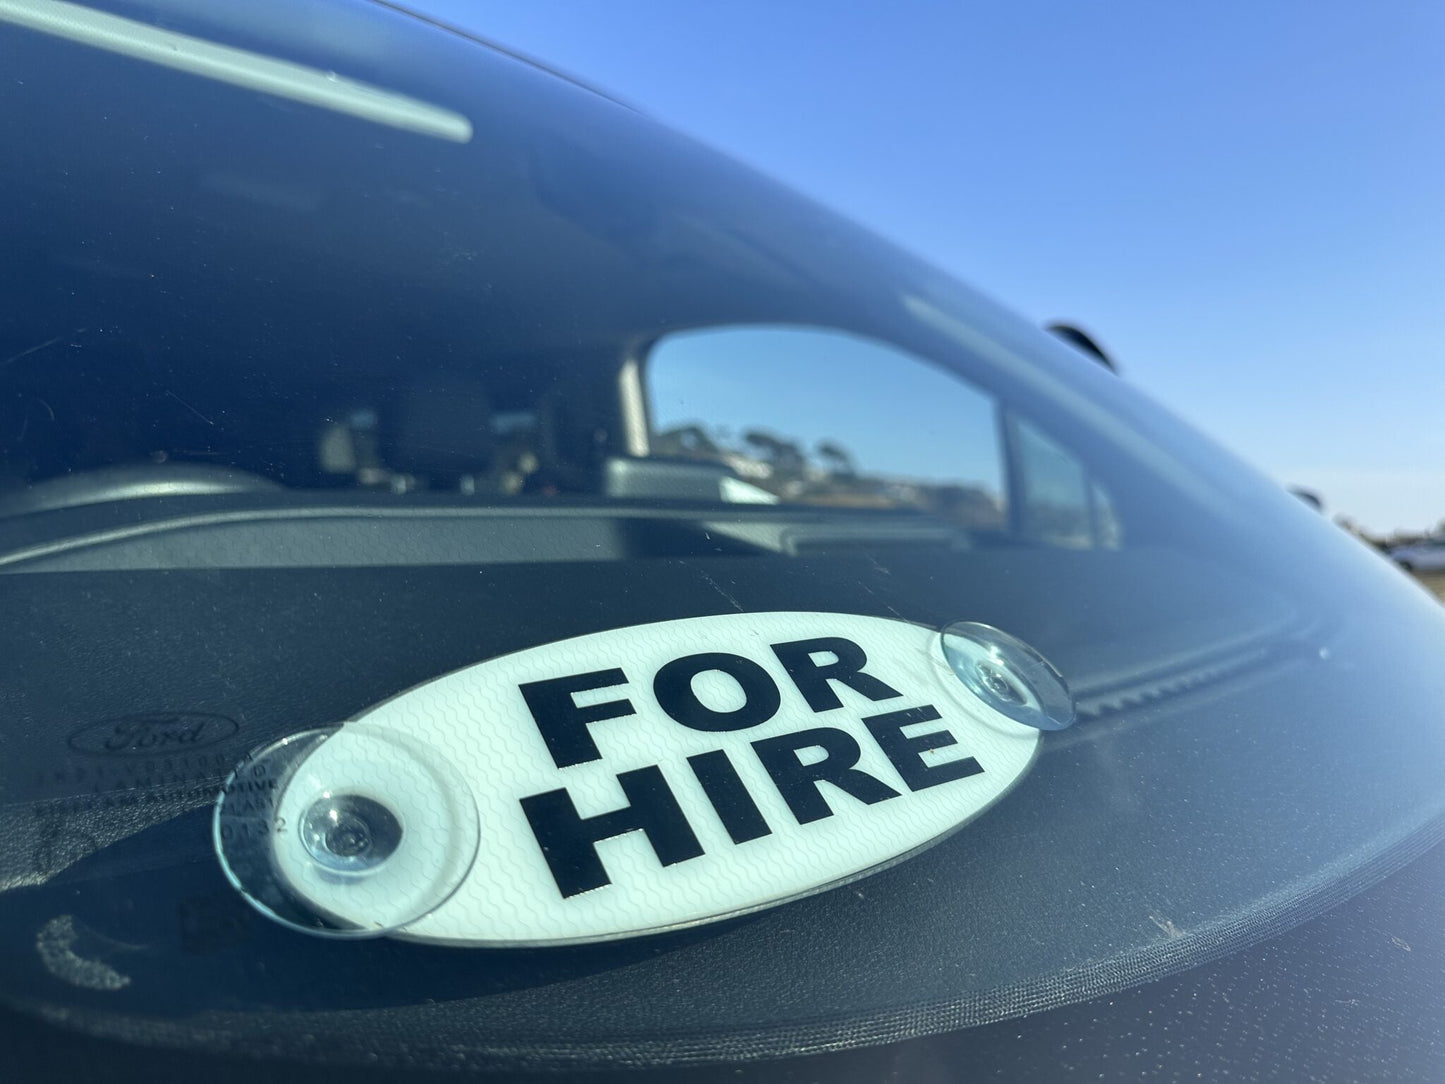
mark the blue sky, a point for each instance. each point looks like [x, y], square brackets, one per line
[1245, 202]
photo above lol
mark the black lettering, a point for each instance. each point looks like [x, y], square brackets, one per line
[724, 788]
[673, 689]
[563, 724]
[569, 840]
[812, 677]
[798, 782]
[907, 753]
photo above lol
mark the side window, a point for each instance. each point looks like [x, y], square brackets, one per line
[1058, 502]
[820, 417]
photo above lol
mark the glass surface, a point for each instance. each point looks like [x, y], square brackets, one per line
[300, 409]
[1056, 492]
[816, 417]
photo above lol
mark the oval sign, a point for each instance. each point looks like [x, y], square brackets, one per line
[639, 779]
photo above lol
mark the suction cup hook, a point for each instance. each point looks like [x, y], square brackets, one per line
[1008, 675]
[345, 831]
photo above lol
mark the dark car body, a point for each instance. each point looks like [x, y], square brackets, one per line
[335, 361]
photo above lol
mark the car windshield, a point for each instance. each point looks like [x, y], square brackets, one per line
[303, 406]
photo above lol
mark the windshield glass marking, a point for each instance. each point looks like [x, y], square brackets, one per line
[238, 67]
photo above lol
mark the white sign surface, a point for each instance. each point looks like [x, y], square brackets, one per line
[661, 775]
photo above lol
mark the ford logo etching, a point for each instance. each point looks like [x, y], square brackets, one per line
[153, 733]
